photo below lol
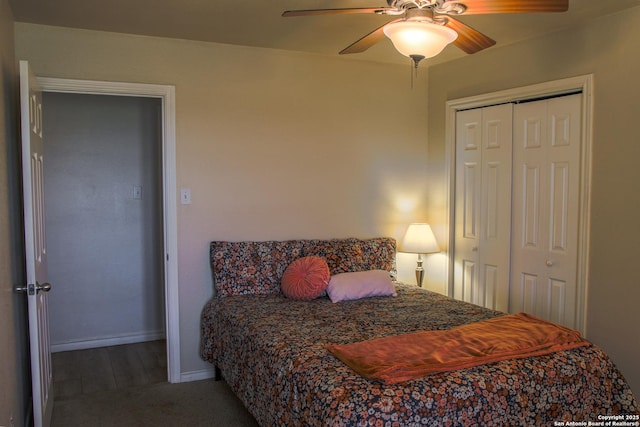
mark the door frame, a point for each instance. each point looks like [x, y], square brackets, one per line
[582, 84]
[166, 94]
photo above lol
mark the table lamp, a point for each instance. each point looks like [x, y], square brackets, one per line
[419, 239]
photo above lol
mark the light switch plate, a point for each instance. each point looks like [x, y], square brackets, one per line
[137, 192]
[185, 196]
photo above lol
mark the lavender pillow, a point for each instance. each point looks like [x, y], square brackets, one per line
[361, 284]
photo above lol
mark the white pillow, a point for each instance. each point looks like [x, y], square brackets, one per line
[361, 284]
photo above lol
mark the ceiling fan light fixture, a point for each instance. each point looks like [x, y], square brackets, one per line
[419, 38]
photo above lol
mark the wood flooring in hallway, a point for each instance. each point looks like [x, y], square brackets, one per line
[81, 372]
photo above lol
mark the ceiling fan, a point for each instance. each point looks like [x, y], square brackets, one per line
[424, 27]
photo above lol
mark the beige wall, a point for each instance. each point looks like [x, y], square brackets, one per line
[272, 144]
[607, 48]
[14, 367]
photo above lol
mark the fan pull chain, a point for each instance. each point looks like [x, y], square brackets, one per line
[412, 71]
[416, 60]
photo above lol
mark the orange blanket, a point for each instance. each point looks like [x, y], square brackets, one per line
[404, 357]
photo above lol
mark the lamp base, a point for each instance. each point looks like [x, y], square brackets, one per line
[419, 272]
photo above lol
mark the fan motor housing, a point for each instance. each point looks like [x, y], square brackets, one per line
[438, 6]
[408, 4]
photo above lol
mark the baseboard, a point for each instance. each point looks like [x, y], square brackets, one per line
[202, 374]
[108, 341]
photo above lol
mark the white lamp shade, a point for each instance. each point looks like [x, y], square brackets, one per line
[419, 37]
[419, 239]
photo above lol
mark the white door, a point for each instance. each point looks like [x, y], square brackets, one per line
[483, 206]
[35, 245]
[467, 206]
[545, 208]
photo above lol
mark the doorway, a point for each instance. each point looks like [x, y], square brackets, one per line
[103, 198]
[166, 95]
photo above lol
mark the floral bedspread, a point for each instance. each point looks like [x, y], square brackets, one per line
[271, 351]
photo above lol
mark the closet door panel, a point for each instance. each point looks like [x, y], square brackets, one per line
[530, 209]
[528, 200]
[467, 213]
[495, 214]
[483, 187]
[546, 160]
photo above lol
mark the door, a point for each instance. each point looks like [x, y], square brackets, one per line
[35, 245]
[546, 208]
[483, 206]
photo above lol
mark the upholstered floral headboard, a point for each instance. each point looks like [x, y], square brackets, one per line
[241, 268]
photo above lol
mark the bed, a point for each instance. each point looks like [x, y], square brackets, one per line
[272, 350]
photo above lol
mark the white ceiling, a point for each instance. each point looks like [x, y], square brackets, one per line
[259, 22]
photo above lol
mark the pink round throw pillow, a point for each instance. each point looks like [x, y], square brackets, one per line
[305, 278]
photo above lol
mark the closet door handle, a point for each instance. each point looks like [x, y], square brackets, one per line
[474, 249]
[549, 263]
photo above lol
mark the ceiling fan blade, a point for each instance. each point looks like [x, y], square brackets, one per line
[367, 41]
[469, 40]
[310, 12]
[478, 7]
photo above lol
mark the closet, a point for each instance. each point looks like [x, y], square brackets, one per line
[517, 207]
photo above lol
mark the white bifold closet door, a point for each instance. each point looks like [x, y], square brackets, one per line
[483, 206]
[546, 189]
[516, 207]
